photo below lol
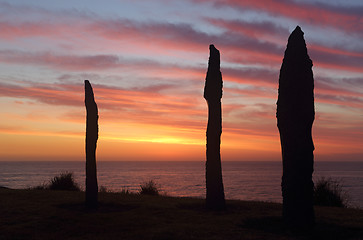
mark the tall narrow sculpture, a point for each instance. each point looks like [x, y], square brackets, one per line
[295, 117]
[213, 94]
[91, 144]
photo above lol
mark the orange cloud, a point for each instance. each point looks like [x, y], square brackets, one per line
[161, 109]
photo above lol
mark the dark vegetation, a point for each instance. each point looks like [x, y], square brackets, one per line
[103, 189]
[64, 181]
[149, 188]
[329, 192]
[213, 94]
[295, 117]
[34, 214]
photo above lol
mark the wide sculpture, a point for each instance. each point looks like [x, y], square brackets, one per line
[295, 117]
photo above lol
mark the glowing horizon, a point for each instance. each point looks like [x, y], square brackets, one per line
[147, 64]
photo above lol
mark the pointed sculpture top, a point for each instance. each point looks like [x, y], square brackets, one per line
[296, 35]
[88, 91]
[298, 29]
[296, 46]
[213, 80]
[214, 58]
[213, 48]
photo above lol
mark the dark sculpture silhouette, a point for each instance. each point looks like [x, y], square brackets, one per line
[91, 144]
[295, 117]
[213, 94]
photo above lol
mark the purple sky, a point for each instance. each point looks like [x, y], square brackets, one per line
[147, 62]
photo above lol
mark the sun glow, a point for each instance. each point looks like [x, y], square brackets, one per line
[165, 140]
[148, 73]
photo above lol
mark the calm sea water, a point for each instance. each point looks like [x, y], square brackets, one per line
[242, 180]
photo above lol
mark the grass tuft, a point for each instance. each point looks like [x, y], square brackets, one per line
[329, 192]
[64, 181]
[103, 189]
[149, 188]
[42, 186]
[125, 191]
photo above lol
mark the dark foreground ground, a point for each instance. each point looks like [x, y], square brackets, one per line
[43, 214]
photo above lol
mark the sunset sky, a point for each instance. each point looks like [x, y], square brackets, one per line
[147, 61]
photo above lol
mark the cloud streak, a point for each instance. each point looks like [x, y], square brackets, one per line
[148, 75]
[241, 42]
[348, 19]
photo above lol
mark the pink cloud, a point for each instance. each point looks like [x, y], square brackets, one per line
[354, 102]
[11, 31]
[328, 87]
[323, 56]
[261, 83]
[242, 42]
[46, 93]
[264, 29]
[63, 62]
[347, 19]
[144, 104]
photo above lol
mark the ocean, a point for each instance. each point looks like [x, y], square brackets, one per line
[242, 180]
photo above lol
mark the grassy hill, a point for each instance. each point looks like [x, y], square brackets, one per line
[45, 214]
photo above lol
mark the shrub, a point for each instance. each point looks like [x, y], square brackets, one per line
[42, 186]
[103, 189]
[329, 192]
[125, 191]
[64, 181]
[149, 188]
